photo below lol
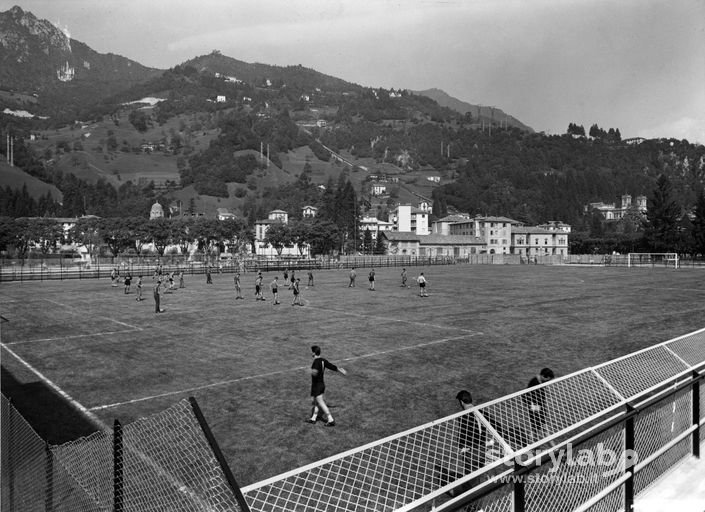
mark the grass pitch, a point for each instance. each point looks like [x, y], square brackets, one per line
[488, 329]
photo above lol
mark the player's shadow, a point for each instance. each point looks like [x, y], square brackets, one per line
[52, 418]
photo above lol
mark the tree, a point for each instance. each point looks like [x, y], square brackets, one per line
[698, 231]
[116, 232]
[45, 233]
[206, 233]
[300, 234]
[162, 232]
[662, 217]
[279, 236]
[323, 237]
[87, 233]
[380, 247]
[367, 241]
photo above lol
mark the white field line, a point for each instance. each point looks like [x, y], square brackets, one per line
[278, 372]
[74, 403]
[75, 311]
[61, 338]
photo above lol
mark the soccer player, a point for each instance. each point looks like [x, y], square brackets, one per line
[297, 293]
[238, 290]
[128, 282]
[209, 279]
[318, 386]
[113, 277]
[181, 279]
[371, 278]
[310, 278]
[353, 275]
[422, 285]
[404, 278]
[535, 400]
[274, 285]
[157, 296]
[139, 289]
[258, 287]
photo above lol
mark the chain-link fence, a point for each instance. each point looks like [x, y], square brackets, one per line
[601, 436]
[168, 461]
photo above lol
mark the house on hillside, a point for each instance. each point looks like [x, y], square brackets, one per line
[308, 212]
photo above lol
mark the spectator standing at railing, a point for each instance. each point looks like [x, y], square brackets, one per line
[535, 400]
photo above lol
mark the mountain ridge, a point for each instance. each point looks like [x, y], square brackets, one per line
[479, 112]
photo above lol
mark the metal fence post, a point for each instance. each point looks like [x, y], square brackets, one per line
[118, 467]
[49, 491]
[629, 445]
[696, 414]
[519, 490]
[219, 455]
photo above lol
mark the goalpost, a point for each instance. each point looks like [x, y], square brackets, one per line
[642, 259]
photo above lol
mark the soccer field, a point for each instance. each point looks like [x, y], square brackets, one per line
[488, 329]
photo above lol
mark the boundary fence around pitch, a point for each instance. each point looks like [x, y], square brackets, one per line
[646, 410]
[45, 270]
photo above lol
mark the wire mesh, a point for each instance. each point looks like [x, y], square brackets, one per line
[32, 479]
[167, 460]
[690, 348]
[387, 475]
[167, 463]
[576, 473]
[651, 366]
[563, 404]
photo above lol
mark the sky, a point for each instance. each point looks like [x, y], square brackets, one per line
[635, 65]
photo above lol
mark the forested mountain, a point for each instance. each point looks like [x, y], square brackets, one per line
[484, 164]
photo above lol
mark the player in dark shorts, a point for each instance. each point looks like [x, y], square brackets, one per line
[318, 385]
[297, 293]
[128, 282]
[371, 278]
[274, 285]
[535, 400]
[258, 287]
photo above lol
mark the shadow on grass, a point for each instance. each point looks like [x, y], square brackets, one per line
[50, 415]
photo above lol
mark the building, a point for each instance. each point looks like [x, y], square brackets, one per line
[309, 212]
[374, 225]
[223, 214]
[611, 212]
[157, 212]
[411, 219]
[266, 249]
[442, 226]
[495, 232]
[538, 241]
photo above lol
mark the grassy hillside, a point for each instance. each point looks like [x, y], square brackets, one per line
[16, 178]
